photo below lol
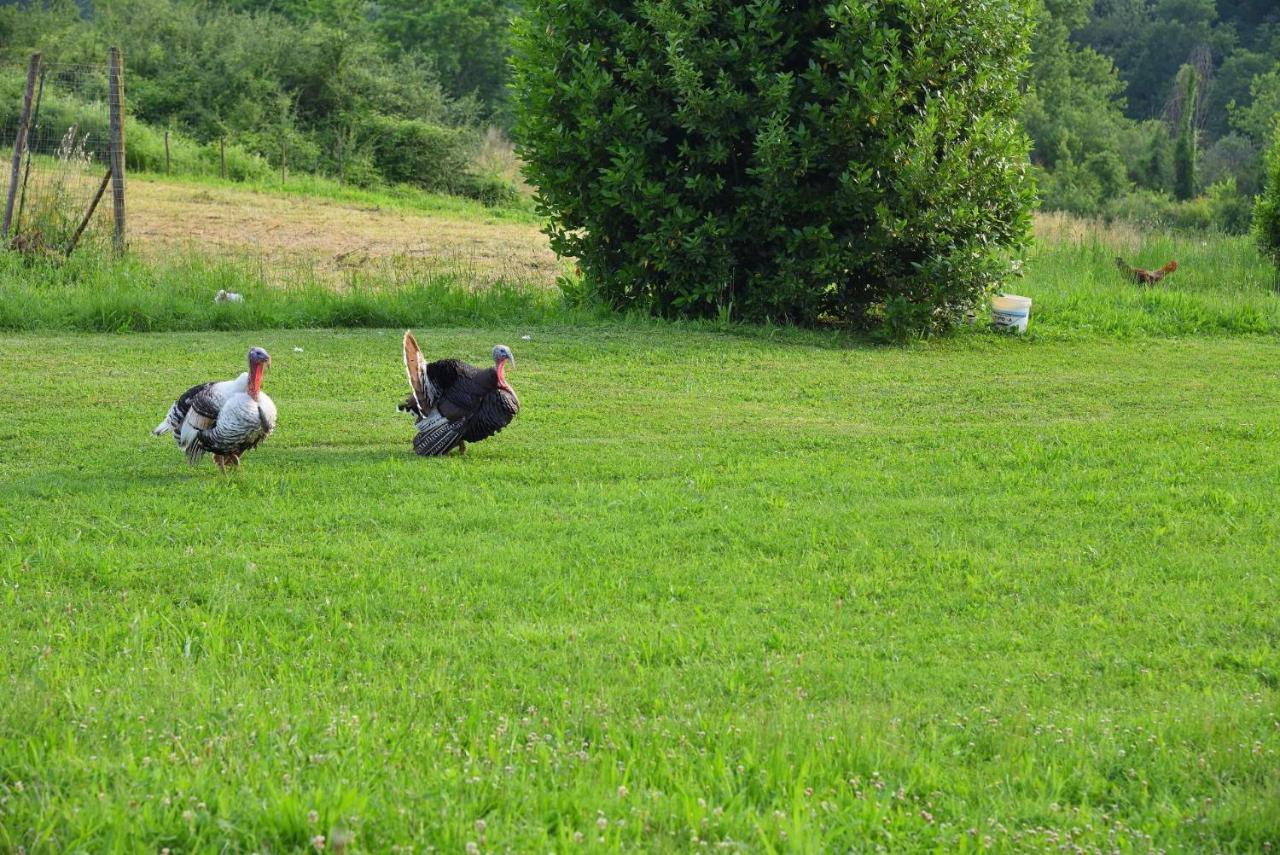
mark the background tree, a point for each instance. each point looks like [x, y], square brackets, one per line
[1266, 217]
[1183, 116]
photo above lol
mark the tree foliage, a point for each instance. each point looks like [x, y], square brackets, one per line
[1184, 152]
[314, 79]
[780, 161]
[1266, 217]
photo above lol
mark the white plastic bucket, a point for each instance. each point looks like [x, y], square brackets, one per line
[1010, 313]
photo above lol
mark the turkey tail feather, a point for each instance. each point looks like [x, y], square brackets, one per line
[162, 428]
[415, 367]
[194, 451]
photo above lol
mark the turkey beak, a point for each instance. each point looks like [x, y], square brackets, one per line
[512, 360]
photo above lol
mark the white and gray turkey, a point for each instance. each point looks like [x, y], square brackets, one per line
[225, 418]
[456, 403]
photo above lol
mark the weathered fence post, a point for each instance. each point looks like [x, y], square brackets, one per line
[20, 143]
[115, 96]
[222, 148]
[33, 124]
[166, 152]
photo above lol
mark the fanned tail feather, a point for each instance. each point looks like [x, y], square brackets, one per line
[415, 367]
[162, 428]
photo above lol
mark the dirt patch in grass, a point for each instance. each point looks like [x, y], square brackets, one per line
[337, 240]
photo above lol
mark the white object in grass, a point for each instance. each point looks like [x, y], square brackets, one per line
[1010, 313]
[224, 296]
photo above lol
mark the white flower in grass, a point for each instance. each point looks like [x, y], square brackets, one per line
[318, 842]
[313, 817]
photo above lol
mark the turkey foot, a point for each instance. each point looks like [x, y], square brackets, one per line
[226, 461]
[462, 447]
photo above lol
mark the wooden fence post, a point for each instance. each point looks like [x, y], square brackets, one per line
[166, 152]
[20, 143]
[115, 96]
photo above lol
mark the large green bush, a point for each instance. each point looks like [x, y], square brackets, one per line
[407, 151]
[1266, 216]
[802, 162]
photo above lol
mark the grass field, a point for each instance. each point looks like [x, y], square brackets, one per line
[718, 587]
[727, 590]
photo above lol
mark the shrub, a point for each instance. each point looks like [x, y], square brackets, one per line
[488, 189]
[1231, 212]
[1266, 215]
[409, 151]
[1193, 215]
[1221, 208]
[798, 162]
[1146, 208]
[144, 151]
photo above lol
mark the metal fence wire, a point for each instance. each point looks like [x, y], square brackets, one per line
[62, 172]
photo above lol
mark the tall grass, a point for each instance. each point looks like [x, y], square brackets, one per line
[1222, 285]
[92, 292]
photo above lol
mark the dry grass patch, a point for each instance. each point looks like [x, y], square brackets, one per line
[332, 239]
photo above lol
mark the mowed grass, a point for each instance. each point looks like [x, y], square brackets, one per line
[710, 590]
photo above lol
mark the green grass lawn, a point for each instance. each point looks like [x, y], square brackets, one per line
[710, 590]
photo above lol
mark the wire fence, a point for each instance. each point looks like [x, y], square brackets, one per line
[51, 186]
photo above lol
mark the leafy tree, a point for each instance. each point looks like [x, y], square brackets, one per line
[467, 40]
[1150, 41]
[1256, 119]
[1184, 152]
[1231, 86]
[1266, 216]
[787, 161]
[1237, 158]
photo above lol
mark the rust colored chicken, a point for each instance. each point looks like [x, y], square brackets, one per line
[1145, 277]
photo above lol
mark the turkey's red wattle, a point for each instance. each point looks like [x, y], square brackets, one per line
[255, 379]
[502, 377]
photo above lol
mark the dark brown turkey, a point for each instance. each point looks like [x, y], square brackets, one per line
[456, 403]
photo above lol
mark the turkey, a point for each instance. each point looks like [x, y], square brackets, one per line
[1145, 277]
[225, 419]
[456, 403]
